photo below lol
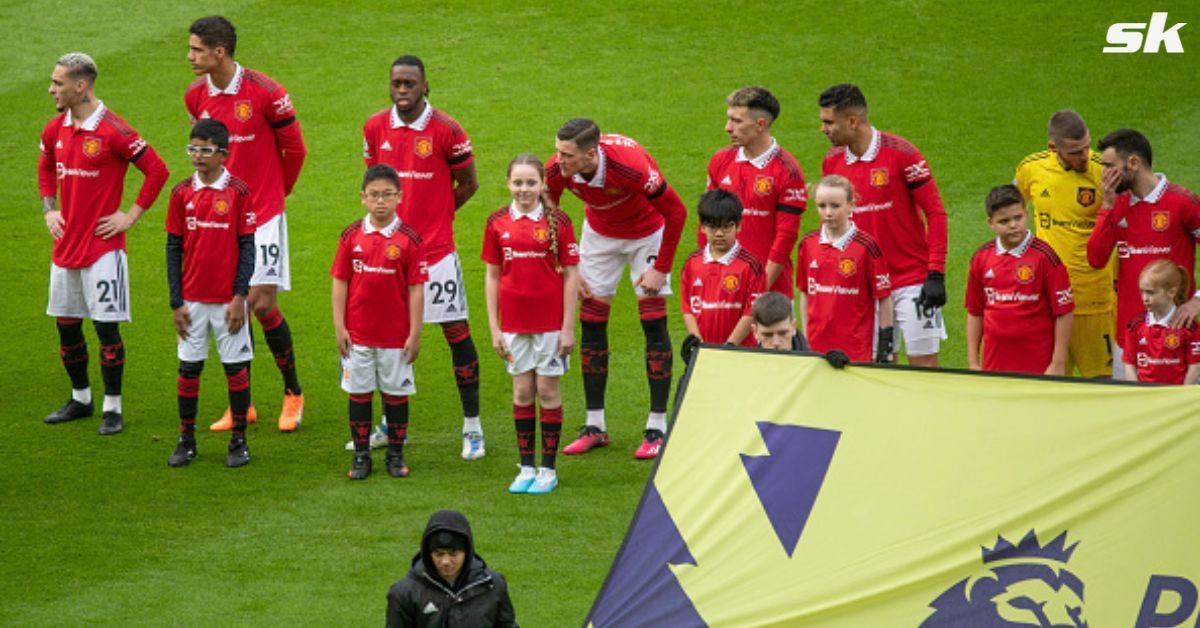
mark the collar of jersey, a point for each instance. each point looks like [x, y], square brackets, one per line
[217, 185]
[1165, 321]
[234, 86]
[726, 259]
[93, 120]
[1018, 250]
[871, 153]
[762, 160]
[517, 214]
[387, 231]
[842, 242]
[419, 124]
[601, 168]
[1154, 195]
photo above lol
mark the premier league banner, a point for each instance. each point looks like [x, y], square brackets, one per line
[791, 493]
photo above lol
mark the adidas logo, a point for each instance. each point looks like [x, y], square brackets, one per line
[726, 181]
[358, 248]
[190, 205]
[451, 308]
[813, 264]
[58, 144]
[1123, 224]
[1045, 193]
[204, 115]
[406, 383]
[110, 308]
[928, 324]
[271, 272]
[1143, 342]
[504, 236]
[697, 282]
[245, 349]
[429, 609]
[989, 274]
[387, 146]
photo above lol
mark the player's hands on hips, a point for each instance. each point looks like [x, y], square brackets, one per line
[113, 224]
[499, 346]
[235, 314]
[55, 224]
[412, 346]
[1186, 312]
[933, 292]
[183, 321]
[343, 341]
[651, 281]
[566, 340]
[1109, 179]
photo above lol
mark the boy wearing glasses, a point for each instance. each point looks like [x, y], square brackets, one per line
[721, 280]
[379, 276]
[210, 258]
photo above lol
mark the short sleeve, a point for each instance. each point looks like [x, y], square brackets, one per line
[568, 249]
[417, 267]
[175, 211]
[341, 260]
[974, 295]
[491, 253]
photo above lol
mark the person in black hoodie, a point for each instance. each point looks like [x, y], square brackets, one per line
[449, 584]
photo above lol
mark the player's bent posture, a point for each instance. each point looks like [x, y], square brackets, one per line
[844, 283]
[719, 282]
[532, 286]
[1019, 303]
[379, 277]
[1062, 185]
[775, 325]
[1155, 350]
[210, 257]
[899, 206]
[432, 154]
[266, 150]
[634, 218]
[767, 180]
[85, 151]
[1145, 217]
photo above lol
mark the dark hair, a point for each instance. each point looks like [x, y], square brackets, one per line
[842, 97]
[771, 308]
[412, 60]
[1168, 275]
[215, 31]
[529, 159]
[213, 130]
[1128, 142]
[755, 98]
[1003, 196]
[719, 208]
[1066, 125]
[583, 131]
[381, 172]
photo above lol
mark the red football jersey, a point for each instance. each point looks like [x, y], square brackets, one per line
[423, 153]
[531, 290]
[843, 279]
[380, 265]
[1019, 294]
[1165, 224]
[719, 292]
[626, 197]
[266, 148]
[890, 180]
[85, 167]
[771, 188]
[210, 218]
[1161, 353]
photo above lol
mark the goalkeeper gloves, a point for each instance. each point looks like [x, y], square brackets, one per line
[886, 345]
[933, 292]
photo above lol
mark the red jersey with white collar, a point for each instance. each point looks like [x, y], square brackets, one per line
[719, 292]
[843, 279]
[210, 218]
[1161, 353]
[893, 186]
[380, 265]
[771, 188]
[85, 168]
[1165, 224]
[531, 289]
[424, 154]
[1019, 293]
[266, 149]
[626, 197]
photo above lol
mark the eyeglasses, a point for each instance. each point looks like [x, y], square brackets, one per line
[203, 151]
[381, 196]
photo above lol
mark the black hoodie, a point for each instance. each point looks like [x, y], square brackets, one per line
[479, 596]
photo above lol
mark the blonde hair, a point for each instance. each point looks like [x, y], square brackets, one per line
[835, 181]
[529, 159]
[1165, 274]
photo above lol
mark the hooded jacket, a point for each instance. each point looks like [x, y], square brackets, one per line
[479, 596]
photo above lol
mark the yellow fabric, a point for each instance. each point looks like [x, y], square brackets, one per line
[1062, 221]
[1090, 350]
[929, 468]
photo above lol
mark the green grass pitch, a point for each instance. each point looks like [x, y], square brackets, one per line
[99, 531]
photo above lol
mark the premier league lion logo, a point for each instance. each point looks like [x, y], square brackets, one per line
[1021, 585]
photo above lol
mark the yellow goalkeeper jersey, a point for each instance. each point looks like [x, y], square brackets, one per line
[1065, 204]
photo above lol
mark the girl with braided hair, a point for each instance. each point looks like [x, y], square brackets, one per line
[532, 282]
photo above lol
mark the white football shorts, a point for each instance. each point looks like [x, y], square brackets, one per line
[99, 292]
[601, 260]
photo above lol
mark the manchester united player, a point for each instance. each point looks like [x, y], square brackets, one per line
[634, 218]
[766, 178]
[432, 154]
[1155, 351]
[719, 282]
[1062, 184]
[1019, 302]
[210, 257]
[899, 206]
[266, 150]
[532, 287]
[377, 306]
[845, 287]
[1145, 217]
[85, 151]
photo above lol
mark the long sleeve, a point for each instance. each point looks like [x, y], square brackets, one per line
[668, 203]
[245, 267]
[175, 269]
[292, 150]
[927, 197]
[156, 173]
